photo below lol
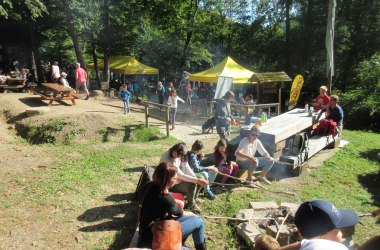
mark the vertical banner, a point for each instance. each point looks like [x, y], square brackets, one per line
[330, 37]
[295, 91]
[224, 84]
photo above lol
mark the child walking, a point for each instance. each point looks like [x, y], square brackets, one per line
[222, 163]
[208, 173]
[125, 96]
[173, 103]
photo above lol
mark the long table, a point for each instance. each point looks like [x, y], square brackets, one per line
[276, 130]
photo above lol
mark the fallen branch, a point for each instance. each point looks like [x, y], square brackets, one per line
[235, 219]
[254, 185]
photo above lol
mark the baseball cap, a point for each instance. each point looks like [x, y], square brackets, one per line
[317, 217]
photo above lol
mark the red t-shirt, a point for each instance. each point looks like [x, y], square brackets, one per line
[81, 75]
[322, 102]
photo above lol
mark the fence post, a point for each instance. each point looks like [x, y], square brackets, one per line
[167, 121]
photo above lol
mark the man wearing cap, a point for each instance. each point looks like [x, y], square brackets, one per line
[245, 155]
[319, 223]
[62, 80]
[223, 115]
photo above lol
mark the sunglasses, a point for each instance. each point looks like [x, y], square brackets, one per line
[255, 135]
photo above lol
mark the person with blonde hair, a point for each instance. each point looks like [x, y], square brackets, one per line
[322, 101]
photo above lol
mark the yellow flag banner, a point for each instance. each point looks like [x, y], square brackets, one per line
[295, 91]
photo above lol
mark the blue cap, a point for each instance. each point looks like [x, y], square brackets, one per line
[317, 217]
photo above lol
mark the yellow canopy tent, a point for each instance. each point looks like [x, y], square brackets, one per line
[126, 65]
[227, 67]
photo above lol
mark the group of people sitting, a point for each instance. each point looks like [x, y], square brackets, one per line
[180, 174]
[318, 221]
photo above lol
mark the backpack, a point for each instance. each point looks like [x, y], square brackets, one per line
[300, 146]
[145, 177]
[326, 127]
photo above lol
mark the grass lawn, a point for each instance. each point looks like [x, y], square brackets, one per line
[93, 184]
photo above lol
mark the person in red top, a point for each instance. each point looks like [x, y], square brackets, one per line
[322, 101]
[81, 79]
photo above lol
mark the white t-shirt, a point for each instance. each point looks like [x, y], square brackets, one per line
[321, 244]
[173, 101]
[249, 149]
[184, 172]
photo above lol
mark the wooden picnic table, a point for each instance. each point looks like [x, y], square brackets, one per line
[18, 84]
[275, 131]
[59, 93]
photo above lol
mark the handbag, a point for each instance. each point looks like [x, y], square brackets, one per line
[167, 235]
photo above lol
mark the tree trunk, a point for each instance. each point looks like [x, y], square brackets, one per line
[308, 31]
[106, 34]
[73, 33]
[37, 68]
[95, 58]
[287, 35]
[189, 35]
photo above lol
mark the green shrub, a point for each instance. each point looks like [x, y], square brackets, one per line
[361, 104]
[144, 134]
[45, 133]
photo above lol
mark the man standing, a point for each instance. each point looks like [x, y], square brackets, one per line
[55, 72]
[188, 91]
[223, 115]
[245, 155]
[81, 80]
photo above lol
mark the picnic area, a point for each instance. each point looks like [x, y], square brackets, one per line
[78, 193]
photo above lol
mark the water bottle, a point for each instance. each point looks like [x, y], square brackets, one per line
[306, 108]
[263, 117]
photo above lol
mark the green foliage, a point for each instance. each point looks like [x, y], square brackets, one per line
[45, 133]
[144, 134]
[362, 104]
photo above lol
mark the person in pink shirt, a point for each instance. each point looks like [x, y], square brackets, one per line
[55, 72]
[81, 79]
[322, 101]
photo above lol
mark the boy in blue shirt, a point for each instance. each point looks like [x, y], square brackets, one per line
[125, 96]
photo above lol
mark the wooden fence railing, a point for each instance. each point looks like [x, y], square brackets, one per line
[165, 117]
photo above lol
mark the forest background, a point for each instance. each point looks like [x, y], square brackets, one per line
[192, 35]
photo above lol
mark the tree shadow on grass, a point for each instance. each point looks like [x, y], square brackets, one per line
[371, 181]
[119, 217]
[371, 155]
[108, 131]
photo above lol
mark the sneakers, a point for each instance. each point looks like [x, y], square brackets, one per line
[87, 97]
[211, 195]
[264, 179]
[195, 209]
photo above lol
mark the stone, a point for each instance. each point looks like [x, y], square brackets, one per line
[283, 237]
[248, 232]
[245, 214]
[97, 94]
[37, 111]
[291, 206]
[261, 205]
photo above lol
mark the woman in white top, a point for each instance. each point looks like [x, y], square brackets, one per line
[186, 180]
[173, 103]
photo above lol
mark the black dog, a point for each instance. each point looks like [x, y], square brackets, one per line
[209, 125]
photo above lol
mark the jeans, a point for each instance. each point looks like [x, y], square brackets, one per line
[126, 107]
[173, 115]
[187, 189]
[192, 225]
[210, 176]
[261, 163]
